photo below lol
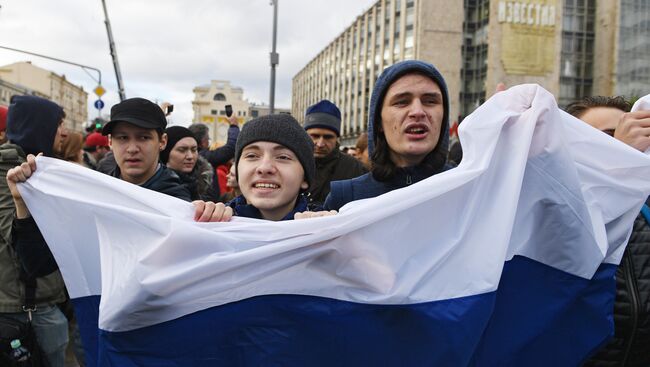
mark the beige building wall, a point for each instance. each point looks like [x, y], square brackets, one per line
[52, 86]
[8, 90]
[209, 107]
[520, 51]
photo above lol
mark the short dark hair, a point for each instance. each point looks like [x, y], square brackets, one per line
[200, 131]
[578, 108]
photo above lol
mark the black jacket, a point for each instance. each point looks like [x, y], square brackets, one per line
[334, 167]
[107, 164]
[165, 181]
[630, 345]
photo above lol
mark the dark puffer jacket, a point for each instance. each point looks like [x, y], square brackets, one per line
[368, 186]
[630, 345]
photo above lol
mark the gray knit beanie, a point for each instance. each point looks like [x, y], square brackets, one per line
[281, 129]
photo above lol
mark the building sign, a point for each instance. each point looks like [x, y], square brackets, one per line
[519, 12]
[527, 36]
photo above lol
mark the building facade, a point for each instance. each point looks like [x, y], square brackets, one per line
[47, 84]
[573, 48]
[633, 48]
[209, 107]
[8, 90]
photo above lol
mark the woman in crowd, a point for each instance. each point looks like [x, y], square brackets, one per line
[232, 185]
[181, 155]
[72, 148]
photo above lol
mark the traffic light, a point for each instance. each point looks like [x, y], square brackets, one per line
[96, 125]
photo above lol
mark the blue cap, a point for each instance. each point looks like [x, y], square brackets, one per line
[325, 115]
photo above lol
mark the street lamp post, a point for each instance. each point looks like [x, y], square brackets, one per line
[275, 57]
[84, 67]
[111, 45]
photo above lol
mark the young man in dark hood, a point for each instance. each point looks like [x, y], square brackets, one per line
[408, 133]
[34, 125]
[323, 124]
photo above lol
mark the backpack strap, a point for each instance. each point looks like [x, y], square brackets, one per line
[29, 302]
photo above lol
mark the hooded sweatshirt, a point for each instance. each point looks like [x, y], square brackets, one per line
[32, 123]
[368, 186]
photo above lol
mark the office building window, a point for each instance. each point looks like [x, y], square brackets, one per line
[474, 54]
[633, 68]
[576, 61]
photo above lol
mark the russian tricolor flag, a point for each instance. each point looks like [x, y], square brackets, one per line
[507, 260]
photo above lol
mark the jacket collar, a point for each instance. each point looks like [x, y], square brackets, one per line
[242, 209]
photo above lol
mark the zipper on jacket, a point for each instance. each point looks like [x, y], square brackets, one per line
[634, 304]
[409, 180]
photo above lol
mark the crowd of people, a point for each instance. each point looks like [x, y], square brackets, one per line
[272, 169]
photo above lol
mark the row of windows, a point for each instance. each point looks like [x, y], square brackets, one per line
[633, 72]
[474, 54]
[345, 70]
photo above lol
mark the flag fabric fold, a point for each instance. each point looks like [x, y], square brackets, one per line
[507, 259]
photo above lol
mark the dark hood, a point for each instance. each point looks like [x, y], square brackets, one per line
[32, 123]
[438, 156]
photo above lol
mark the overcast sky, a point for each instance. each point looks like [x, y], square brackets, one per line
[167, 47]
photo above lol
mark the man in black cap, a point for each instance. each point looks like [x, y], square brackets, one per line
[137, 135]
[323, 124]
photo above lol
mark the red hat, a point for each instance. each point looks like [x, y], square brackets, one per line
[96, 140]
[3, 118]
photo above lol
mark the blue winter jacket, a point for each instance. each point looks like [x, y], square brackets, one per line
[367, 186]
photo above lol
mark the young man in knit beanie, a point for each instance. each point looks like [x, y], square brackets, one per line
[323, 124]
[274, 167]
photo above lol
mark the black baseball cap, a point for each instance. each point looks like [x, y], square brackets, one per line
[139, 112]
